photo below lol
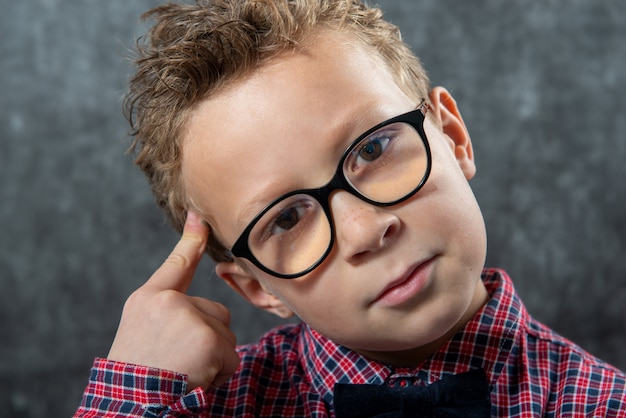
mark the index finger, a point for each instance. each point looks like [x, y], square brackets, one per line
[176, 273]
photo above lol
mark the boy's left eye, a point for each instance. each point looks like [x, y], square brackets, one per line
[373, 149]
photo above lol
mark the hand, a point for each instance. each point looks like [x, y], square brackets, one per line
[164, 328]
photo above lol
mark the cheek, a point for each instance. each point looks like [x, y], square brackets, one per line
[462, 223]
[312, 303]
[319, 301]
[448, 211]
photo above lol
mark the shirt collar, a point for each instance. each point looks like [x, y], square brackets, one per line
[485, 342]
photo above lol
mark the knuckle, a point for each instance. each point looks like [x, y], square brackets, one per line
[178, 259]
[232, 339]
[222, 369]
[136, 298]
[214, 376]
[223, 312]
[193, 238]
[166, 299]
[208, 337]
[234, 361]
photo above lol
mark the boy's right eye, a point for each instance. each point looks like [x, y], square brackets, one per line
[287, 218]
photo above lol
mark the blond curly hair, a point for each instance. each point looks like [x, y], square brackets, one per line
[194, 50]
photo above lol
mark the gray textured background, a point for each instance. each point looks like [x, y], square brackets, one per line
[541, 86]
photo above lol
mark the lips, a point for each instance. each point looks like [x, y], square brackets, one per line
[407, 285]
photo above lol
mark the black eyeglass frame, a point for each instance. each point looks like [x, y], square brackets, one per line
[414, 118]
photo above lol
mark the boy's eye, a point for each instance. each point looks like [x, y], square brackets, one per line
[373, 149]
[288, 218]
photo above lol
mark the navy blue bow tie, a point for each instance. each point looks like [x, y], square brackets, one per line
[463, 395]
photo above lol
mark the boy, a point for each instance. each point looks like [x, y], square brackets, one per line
[300, 144]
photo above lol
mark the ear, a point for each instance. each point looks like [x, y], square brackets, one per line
[446, 112]
[251, 289]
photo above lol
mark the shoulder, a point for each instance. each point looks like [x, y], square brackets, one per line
[552, 373]
[566, 356]
[576, 379]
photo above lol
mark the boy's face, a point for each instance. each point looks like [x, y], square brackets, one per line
[398, 278]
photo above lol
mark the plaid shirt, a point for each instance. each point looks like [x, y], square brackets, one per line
[291, 372]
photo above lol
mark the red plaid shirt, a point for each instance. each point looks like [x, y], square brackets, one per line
[291, 372]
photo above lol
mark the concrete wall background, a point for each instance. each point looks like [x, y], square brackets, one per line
[540, 85]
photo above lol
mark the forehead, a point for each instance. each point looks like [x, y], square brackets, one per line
[283, 128]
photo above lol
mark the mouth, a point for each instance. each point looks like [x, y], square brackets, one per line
[406, 286]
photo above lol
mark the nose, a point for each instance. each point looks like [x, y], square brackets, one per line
[361, 229]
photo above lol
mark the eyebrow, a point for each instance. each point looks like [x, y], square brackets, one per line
[253, 207]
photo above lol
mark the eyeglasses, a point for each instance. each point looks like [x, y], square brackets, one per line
[384, 166]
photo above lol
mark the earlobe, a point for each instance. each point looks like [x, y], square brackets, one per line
[251, 289]
[447, 114]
